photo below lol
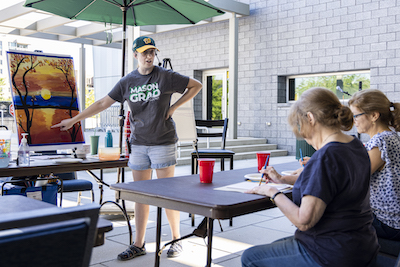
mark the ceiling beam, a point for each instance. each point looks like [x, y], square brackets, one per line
[13, 11]
[63, 30]
[102, 36]
[231, 6]
[41, 35]
[92, 28]
[52, 22]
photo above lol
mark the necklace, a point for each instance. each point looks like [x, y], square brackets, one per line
[323, 142]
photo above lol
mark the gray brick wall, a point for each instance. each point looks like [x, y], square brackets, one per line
[282, 38]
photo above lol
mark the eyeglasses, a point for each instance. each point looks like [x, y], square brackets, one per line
[357, 115]
[150, 52]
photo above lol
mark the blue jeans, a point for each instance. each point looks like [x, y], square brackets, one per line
[283, 252]
[384, 231]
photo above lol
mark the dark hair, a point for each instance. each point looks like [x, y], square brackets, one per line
[373, 100]
[326, 108]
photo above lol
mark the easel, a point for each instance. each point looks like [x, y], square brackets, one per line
[167, 61]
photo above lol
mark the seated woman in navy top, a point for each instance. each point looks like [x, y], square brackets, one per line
[330, 206]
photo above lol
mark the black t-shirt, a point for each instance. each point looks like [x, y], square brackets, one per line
[149, 97]
[339, 175]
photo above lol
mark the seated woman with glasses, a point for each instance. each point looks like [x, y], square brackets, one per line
[330, 206]
[376, 116]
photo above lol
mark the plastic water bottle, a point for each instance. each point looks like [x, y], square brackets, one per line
[23, 152]
[109, 138]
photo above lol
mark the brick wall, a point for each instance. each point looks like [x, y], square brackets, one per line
[282, 38]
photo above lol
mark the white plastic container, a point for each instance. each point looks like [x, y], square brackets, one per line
[23, 152]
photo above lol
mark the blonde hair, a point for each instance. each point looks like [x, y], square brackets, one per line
[326, 108]
[373, 100]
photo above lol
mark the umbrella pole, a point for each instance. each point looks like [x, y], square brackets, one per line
[121, 110]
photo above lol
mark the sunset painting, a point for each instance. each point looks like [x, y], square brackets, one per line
[44, 93]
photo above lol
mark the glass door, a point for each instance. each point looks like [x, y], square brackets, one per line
[215, 94]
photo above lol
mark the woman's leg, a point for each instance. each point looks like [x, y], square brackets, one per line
[141, 210]
[284, 252]
[172, 215]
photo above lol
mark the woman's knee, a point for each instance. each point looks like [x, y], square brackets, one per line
[247, 257]
[244, 258]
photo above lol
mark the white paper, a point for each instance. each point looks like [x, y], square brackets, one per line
[35, 195]
[245, 186]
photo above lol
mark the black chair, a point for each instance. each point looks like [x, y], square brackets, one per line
[49, 236]
[72, 184]
[389, 253]
[221, 153]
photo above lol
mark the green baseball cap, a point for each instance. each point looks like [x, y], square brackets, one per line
[143, 43]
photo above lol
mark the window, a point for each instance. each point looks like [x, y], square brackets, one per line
[215, 94]
[17, 46]
[343, 84]
[12, 45]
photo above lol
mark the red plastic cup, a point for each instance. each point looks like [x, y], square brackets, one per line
[206, 170]
[261, 158]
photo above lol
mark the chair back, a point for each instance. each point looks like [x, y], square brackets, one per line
[66, 176]
[48, 236]
[184, 123]
[214, 123]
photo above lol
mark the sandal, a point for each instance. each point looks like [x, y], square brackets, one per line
[175, 250]
[131, 252]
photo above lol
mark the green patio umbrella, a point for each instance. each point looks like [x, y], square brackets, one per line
[138, 12]
[129, 12]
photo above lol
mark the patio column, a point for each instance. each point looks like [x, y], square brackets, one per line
[233, 76]
[132, 34]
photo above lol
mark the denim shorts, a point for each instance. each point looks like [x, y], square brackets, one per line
[152, 157]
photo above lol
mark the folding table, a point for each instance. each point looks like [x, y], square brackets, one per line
[187, 194]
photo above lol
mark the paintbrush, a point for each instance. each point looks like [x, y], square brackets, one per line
[265, 166]
[301, 156]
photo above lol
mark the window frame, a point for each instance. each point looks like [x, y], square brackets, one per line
[339, 73]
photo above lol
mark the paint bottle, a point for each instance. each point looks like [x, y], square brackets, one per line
[109, 138]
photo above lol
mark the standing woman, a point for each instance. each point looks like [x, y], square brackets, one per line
[147, 90]
[330, 206]
[376, 116]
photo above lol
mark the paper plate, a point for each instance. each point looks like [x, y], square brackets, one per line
[254, 176]
[71, 160]
[287, 172]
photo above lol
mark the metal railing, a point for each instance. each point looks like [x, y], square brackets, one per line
[105, 119]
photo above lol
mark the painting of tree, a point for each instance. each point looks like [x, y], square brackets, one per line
[44, 93]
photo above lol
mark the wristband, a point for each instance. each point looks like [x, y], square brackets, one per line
[274, 196]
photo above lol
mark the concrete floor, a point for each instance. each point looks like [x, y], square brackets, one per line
[228, 245]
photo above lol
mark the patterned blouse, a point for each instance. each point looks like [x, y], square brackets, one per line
[385, 183]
